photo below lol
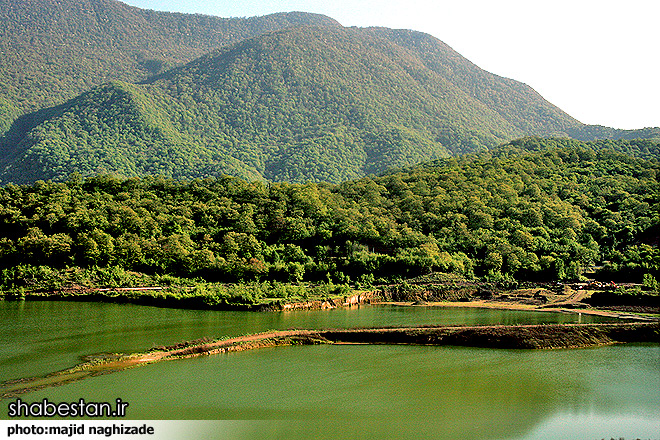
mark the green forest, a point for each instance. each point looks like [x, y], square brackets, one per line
[357, 156]
[99, 87]
[55, 50]
[506, 215]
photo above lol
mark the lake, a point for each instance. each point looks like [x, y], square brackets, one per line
[346, 391]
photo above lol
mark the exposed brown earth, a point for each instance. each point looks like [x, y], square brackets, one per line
[560, 299]
[452, 293]
[611, 312]
[550, 336]
[363, 297]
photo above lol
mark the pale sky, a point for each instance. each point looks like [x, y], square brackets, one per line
[598, 60]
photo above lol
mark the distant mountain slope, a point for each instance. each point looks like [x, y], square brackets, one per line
[646, 149]
[304, 103]
[53, 50]
[595, 132]
[299, 85]
[286, 97]
[516, 102]
[113, 129]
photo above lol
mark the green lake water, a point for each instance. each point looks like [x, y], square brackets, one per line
[346, 391]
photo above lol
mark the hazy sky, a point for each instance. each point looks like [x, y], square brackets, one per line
[598, 60]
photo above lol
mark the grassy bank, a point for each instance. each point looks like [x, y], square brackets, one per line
[117, 285]
[24, 282]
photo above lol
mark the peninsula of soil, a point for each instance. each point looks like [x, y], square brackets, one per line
[548, 336]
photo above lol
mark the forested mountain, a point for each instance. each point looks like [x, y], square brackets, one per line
[595, 132]
[288, 97]
[503, 215]
[515, 102]
[304, 103]
[53, 50]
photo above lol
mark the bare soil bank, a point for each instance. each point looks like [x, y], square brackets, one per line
[544, 336]
[159, 297]
[549, 336]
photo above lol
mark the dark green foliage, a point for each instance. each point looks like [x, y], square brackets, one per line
[639, 148]
[120, 285]
[595, 132]
[308, 103]
[286, 97]
[52, 50]
[541, 215]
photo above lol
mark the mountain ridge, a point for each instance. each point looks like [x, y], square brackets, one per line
[441, 58]
[346, 88]
[294, 97]
[54, 50]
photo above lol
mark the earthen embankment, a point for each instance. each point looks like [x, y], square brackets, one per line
[547, 336]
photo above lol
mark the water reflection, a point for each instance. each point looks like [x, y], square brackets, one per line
[400, 391]
[41, 337]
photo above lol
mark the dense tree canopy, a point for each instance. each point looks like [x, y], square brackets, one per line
[541, 215]
[97, 86]
[52, 50]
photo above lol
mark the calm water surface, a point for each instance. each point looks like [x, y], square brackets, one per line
[401, 392]
[41, 337]
[346, 391]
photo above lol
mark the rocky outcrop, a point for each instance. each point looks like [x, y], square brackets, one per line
[366, 297]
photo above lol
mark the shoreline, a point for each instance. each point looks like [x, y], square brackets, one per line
[529, 336]
[158, 297]
[510, 305]
[356, 298]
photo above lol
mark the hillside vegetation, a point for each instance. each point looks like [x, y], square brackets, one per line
[97, 86]
[53, 50]
[502, 216]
